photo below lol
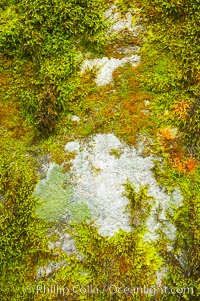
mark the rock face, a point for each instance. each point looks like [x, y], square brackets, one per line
[105, 67]
[99, 170]
[94, 187]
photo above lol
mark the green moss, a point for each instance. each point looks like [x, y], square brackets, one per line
[123, 260]
[48, 88]
[24, 242]
[116, 153]
[139, 206]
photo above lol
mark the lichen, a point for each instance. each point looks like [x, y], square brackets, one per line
[54, 193]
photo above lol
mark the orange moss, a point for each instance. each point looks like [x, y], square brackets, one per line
[178, 165]
[11, 121]
[119, 107]
[184, 165]
[179, 161]
[172, 145]
[167, 133]
[191, 164]
[180, 109]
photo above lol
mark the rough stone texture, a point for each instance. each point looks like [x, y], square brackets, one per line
[105, 67]
[98, 177]
[95, 189]
[120, 23]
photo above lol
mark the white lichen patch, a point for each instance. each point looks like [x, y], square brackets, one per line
[102, 191]
[72, 146]
[121, 22]
[105, 67]
[75, 118]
